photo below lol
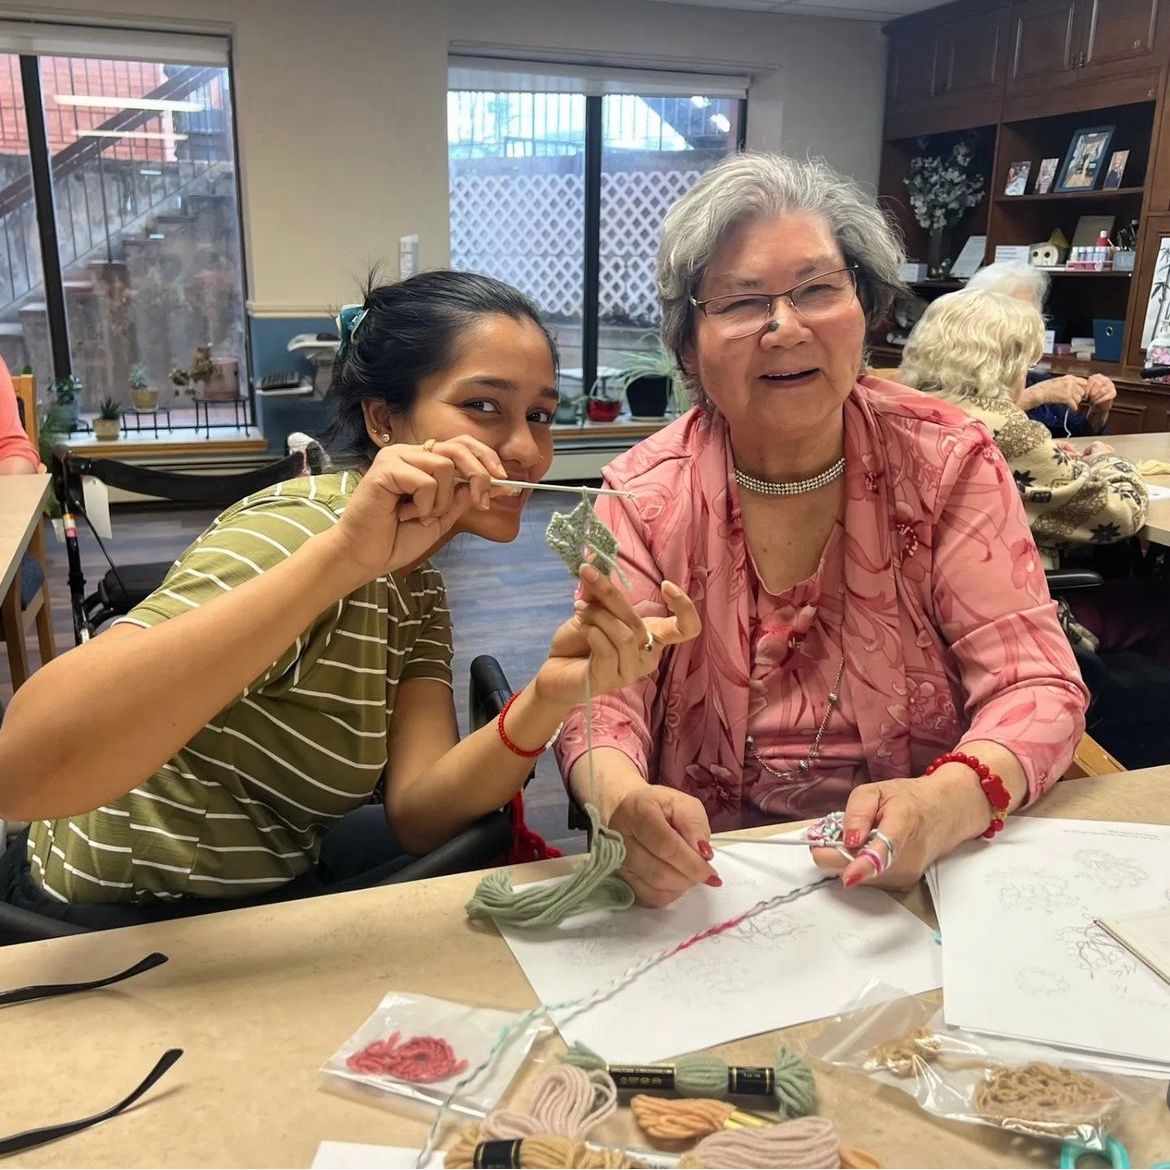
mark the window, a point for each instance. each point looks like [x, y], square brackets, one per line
[141, 174]
[559, 185]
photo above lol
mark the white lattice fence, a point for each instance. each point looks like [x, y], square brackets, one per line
[528, 229]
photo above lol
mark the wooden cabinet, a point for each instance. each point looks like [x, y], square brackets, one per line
[1045, 47]
[1058, 43]
[947, 75]
[910, 84]
[970, 59]
[1118, 35]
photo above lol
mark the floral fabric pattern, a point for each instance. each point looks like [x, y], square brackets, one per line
[947, 626]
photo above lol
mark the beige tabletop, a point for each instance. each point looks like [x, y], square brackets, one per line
[22, 499]
[1136, 448]
[260, 998]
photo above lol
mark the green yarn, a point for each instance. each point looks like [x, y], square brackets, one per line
[704, 1075]
[572, 535]
[592, 886]
[796, 1087]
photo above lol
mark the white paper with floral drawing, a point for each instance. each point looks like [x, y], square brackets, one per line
[1022, 955]
[801, 961]
[1158, 307]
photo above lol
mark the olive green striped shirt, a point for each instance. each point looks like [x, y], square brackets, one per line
[239, 811]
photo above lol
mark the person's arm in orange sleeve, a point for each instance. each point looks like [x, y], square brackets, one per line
[17, 454]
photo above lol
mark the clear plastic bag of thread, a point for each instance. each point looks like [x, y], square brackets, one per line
[415, 1048]
[1015, 1085]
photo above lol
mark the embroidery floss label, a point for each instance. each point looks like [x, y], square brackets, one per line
[430, 1044]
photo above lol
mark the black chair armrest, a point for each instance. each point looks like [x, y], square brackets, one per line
[18, 925]
[488, 691]
[474, 848]
[1066, 580]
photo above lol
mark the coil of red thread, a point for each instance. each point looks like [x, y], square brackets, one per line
[422, 1060]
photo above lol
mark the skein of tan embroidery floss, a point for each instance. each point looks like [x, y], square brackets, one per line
[549, 1151]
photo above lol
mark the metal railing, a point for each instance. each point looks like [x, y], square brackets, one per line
[110, 183]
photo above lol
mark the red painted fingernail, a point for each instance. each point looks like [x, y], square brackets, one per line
[853, 838]
[851, 881]
[705, 850]
[715, 881]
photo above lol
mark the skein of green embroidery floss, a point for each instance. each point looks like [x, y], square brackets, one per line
[789, 1080]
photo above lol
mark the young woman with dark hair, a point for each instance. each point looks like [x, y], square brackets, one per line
[300, 650]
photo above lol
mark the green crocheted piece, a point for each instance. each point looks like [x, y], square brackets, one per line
[574, 535]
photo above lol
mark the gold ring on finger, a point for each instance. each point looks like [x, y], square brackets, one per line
[429, 445]
[648, 646]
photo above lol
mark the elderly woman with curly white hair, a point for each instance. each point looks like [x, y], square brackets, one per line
[1067, 404]
[974, 349]
[877, 636]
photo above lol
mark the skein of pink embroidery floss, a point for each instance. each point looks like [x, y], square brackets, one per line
[568, 1102]
[422, 1060]
[806, 1142]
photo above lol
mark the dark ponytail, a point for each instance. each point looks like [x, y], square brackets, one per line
[409, 331]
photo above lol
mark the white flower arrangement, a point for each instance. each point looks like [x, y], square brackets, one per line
[941, 189]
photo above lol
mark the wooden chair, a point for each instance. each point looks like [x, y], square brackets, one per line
[15, 621]
[1091, 759]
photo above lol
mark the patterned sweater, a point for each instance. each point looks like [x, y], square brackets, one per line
[1068, 500]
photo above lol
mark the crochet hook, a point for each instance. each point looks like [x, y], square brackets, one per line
[522, 486]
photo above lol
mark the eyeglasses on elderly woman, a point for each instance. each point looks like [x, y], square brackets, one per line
[742, 314]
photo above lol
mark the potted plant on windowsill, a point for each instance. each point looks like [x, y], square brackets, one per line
[651, 382]
[67, 395]
[142, 394]
[109, 420]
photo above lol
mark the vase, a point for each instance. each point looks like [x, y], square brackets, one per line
[938, 263]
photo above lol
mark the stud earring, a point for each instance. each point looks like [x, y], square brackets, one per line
[385, 436]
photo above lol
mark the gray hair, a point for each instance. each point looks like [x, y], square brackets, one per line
[764, 186]
[1013, 279]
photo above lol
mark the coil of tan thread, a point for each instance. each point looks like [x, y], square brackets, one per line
[1044, 1098]
[547, 1150]
[900, 1056]
[568, 1102]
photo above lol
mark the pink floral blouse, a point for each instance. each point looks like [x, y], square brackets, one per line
[932, 591]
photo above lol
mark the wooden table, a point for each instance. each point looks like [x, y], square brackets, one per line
[1136, 448]
[260, 998]
[22, 501]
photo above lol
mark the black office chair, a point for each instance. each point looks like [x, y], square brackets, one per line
[479, 845]
[125, 586]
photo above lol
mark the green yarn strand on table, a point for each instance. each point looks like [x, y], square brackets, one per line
[704, 1075]
[592, 886]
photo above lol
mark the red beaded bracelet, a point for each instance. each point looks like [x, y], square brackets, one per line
[519, 751]
[993, 787]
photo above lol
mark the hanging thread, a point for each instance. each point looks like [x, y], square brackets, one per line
[569, 1102]
[422, 1060]
[806, 1142]
[789, 1079]
[546, 1151]
[593, 885]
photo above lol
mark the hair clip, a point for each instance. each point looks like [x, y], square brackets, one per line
[349, 321]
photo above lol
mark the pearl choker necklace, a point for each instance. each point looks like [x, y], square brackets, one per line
[797, 487]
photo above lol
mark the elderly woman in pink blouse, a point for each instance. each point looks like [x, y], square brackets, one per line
[870, 593]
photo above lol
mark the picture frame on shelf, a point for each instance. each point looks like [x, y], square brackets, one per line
[1158, 306]
[1017, 178]
[1045, 175]
[1116, 171]
[1085, 159]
